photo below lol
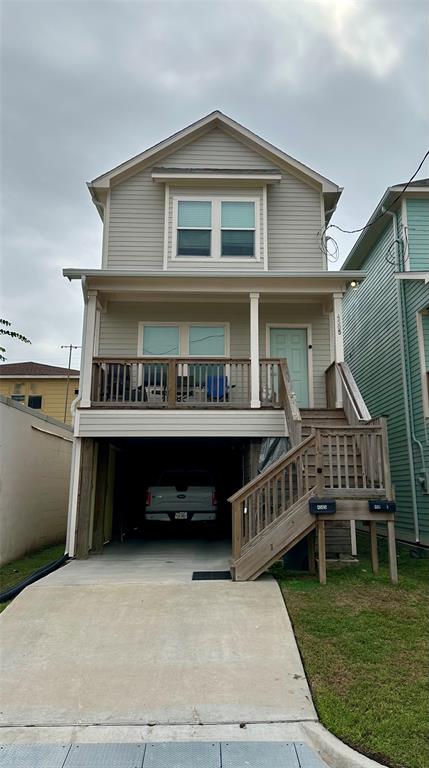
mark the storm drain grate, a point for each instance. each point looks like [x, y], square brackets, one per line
[211, 576]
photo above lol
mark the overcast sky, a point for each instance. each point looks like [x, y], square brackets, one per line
[341, 86]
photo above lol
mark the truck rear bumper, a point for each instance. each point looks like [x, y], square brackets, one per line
[171, 517]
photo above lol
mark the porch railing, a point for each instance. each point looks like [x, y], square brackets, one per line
[339, 376]
[182, 382]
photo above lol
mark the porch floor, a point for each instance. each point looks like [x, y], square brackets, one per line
[161, 561]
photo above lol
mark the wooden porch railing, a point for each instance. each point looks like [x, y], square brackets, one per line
[289, 404]
[353, 403]
[263, 500]
[182, 382]
[342, 463]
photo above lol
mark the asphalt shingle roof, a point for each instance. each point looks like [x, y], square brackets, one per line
[35, 369]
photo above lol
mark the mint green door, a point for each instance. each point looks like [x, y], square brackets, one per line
[292, 344]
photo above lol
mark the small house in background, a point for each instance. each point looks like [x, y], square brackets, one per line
[47, 388]
[386, 333]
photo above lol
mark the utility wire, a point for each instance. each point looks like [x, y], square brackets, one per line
[370, 224]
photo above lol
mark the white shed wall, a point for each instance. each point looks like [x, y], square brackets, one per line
[34, 480]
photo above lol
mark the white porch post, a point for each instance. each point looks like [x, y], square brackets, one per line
[88, 338]
[254, 351]
[338, 343]
[73, 496]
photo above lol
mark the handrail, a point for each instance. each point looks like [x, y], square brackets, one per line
[273, 468]
[288, 401]
[353, 403]
[353, 392]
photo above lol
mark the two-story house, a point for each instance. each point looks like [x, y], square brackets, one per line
[386, 322]
[212, 325]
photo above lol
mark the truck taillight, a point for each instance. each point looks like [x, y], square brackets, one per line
[148, 498]
[214, 499]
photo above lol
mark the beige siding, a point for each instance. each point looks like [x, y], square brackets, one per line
[216, 149]
[136, 228]
[211, 265]
[136, 224]
[119, 328]
[164, 423]
[53, 392]
[294, 224]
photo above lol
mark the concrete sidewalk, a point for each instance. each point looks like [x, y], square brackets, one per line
[149, 653]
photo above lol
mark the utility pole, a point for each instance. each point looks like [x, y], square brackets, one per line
[70, 347]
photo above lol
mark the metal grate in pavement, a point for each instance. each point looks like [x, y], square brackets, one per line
[238, 754]
[307, 758]
[195, 754]
[105, 756]
[33, 755]
[192, 754]
[211, 576]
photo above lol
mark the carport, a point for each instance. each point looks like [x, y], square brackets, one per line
[120, 470]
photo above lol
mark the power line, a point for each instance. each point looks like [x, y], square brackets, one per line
[398, 197]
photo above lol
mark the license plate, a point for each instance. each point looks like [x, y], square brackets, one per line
[181, 516]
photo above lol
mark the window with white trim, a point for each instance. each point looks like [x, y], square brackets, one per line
[216, 228]
[237, 229]
[194, 228]
[183, 340]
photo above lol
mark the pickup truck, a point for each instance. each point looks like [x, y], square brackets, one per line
[182, 495]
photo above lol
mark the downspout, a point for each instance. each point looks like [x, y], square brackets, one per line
[404, 375]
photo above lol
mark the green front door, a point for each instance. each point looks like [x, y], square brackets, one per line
[292, 344]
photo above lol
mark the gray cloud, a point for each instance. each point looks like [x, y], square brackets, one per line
[343, 86]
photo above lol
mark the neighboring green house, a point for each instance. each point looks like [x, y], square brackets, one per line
[386, 332]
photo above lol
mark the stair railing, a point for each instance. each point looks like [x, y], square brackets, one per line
[263, 500]
[289, 404]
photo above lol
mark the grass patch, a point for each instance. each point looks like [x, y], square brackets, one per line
[364, 644]
[14, 572]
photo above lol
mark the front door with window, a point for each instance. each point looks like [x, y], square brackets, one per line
[292, 344]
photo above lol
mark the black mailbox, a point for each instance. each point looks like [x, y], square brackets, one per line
[381, 505]
[322, 506]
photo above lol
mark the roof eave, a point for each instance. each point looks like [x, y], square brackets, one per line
[216, 117]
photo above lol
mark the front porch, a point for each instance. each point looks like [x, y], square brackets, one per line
[218, 346]
[187, 383]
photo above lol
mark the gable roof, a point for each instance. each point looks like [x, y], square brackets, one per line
[378, 220]
[197, 129]
[36, 369]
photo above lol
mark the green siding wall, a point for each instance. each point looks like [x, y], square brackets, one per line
[418, 233]
[372, 349]
[416, 298]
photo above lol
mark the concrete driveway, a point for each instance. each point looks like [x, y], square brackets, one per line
[89, 646]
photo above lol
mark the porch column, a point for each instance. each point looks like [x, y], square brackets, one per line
[254, 351]
[338, 343]
[88, 338]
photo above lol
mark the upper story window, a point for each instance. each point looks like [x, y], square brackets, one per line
[194, 228]
[238, 228]
[215, 228]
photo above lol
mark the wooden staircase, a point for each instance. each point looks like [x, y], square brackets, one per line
[337, 455]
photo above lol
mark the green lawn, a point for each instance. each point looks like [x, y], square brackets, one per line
[364, 645]
[16, 571]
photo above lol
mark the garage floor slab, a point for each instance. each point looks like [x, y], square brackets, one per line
[150, 653]
[162, 561]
